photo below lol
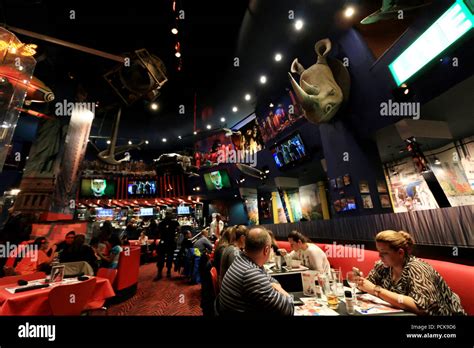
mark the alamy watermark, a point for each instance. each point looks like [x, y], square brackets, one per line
[393, 108]
[66, 108]
[37, 331]
[345, 251]
[12, 250]
[237, 156]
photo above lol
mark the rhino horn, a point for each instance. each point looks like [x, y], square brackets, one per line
[301, 95]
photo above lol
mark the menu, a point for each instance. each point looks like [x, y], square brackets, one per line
[369, 304]
[312, 307]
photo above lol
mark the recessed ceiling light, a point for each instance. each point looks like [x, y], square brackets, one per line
[147, 142]
[278, 57]
[299, 24]
[222, 119]
[235, 109]
[208, 126]
[108, 142]
[349, 12]
[163, 140]
[263, 79]
[406, 91]
[248, 97]
[195, 132]
[177, 54]
[154, 106]
[271, 105]
[129, 142]
[174, 31]
[180, 137]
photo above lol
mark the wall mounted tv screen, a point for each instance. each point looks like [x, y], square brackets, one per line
[98, 188]
[289, 151]
[217, 180]
[141, 188]
[183, 209]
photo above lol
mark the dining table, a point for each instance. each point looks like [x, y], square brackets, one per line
[36, 302]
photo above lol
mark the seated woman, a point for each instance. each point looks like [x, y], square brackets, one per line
[310, 254]
[112, 260]
[407, 282]
[79, 251]
[37, 260]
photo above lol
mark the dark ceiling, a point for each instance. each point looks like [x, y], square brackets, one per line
[212, 34]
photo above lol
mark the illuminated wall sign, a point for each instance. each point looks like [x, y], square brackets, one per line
[449, 28]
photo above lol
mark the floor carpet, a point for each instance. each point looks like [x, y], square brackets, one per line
[168, 296]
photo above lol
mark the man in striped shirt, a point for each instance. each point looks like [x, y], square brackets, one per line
[246, 288]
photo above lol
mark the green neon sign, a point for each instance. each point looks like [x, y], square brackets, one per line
[449, 28]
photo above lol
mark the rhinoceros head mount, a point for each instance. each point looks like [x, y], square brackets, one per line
[323, 86]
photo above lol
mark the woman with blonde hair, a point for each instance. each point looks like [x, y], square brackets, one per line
[407, 282]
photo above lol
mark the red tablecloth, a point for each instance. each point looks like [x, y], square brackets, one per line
[35, 302]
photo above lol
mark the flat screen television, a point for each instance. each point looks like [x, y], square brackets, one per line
[146, 211]
[97, 188]
[104, 212]
[217, 180]
[183, 209]
[289, 151]
[141, 188]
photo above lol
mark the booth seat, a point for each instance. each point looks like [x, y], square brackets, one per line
[460, 278]
[127, 270]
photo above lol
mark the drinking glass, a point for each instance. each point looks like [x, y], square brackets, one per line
[324, 284]
[351, 279]
[288, 259]
[333, 300]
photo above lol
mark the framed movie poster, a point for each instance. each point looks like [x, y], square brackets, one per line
[381, 186]
[367, 202]
[340, 183]
[364, 186]
[347, 179]
[385, 201]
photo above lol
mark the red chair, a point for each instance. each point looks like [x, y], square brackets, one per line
[107, 273]
[215, 280]
[61, 295]
[27, 277]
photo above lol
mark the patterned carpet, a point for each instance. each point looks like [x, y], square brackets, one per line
[165, 297]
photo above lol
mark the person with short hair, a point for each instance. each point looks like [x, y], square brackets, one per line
[310, 254]
[216, 227]
[247, 289]
[407, 282]
[66, 243]
[167, 230]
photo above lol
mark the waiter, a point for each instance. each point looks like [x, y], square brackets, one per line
[216, 227]
[167, 230]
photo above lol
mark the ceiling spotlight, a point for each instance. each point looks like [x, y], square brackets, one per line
[406, 91]
[147, 142]
[177, 54]
[129, 142]
[198, 188]
[208, 126]
[154, 106]
[271, 105]
[349, 12]
[163, 140]
[263, 79]
[299, 24]
[222, 119]
[180, 137]
[174, 31]
[248, 97]
[108, 142]
[195, 132]
[235, 109]
[278, 57]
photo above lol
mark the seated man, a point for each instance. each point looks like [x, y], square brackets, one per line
[66, 243]
[310, 254]
[246, 288]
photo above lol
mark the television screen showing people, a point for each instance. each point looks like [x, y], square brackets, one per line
[289, 151]
[142, 188]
